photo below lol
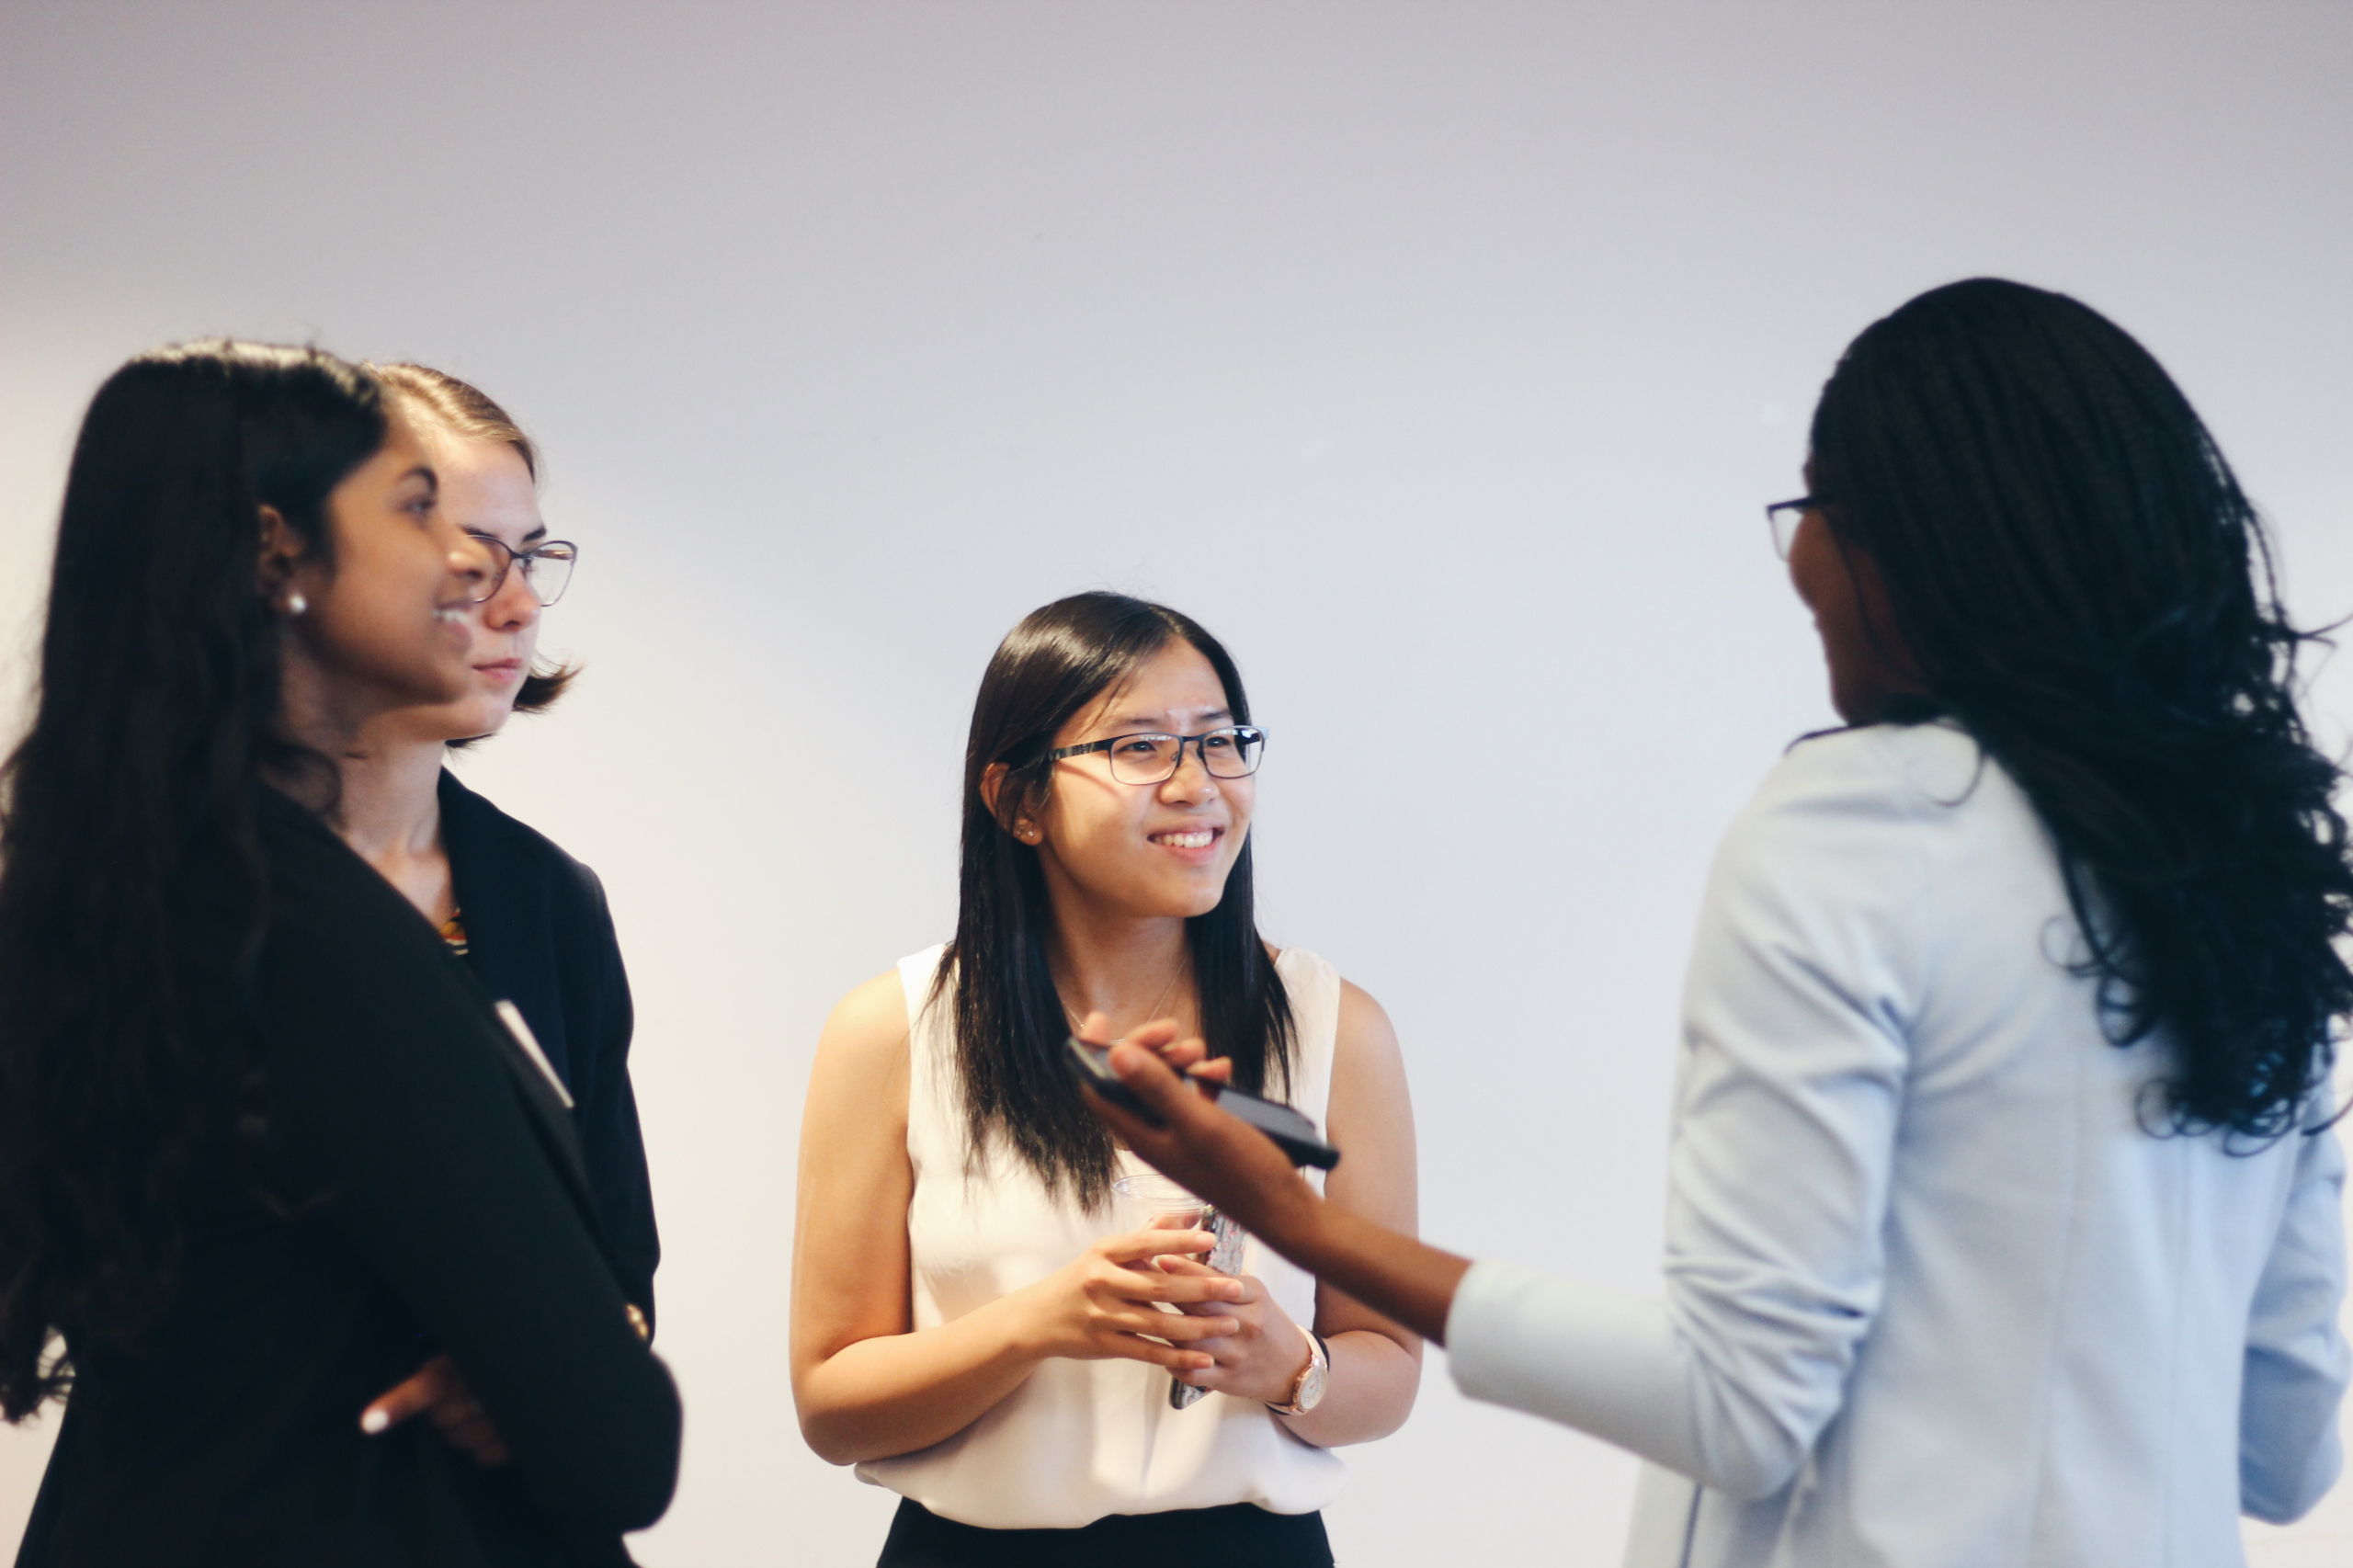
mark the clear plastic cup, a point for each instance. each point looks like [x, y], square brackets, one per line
[1153, 1202]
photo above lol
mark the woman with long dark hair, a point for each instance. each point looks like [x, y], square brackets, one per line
[2004, 1218]
[976, 1323]
[263, 1143]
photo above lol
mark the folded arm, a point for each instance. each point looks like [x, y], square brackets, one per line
[391, 1103]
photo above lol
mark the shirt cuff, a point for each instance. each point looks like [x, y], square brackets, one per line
[1574, 1353]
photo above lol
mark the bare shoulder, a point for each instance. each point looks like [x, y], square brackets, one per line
[863, 1051]
[873, 1018]
[1365, 1030]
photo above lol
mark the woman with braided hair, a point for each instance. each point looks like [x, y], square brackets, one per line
[2004, 1214]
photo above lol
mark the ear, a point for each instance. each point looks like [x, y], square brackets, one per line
[282, 551]
[992, 787]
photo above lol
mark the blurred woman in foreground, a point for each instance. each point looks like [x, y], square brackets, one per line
[2004, 1213]
[260, 1139]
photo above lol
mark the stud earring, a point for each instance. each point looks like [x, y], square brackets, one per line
[296, 604]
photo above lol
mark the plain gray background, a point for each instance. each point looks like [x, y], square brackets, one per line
[1437, 356]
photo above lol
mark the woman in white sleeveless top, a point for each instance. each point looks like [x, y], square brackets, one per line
[975, 1324]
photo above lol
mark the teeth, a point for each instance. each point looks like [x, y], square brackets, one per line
[1185, 840]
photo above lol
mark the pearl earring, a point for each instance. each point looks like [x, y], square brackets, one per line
[296, 604]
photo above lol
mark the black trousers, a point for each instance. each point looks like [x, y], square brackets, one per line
[1241, 1535]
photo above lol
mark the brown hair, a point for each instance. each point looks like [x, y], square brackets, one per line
[469, 412]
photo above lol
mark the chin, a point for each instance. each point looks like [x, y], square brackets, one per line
[475, 720]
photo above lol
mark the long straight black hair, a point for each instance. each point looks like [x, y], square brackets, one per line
[1008, 1016]
[2088, 590]
[158, 705]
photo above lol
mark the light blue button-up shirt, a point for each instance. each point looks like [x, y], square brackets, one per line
[1935, 1297]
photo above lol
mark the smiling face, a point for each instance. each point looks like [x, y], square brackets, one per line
[386, 611]
[486, 490]
[1140, 851]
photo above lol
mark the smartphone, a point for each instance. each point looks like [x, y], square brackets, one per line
[1226, 1258]
[1294, 1134]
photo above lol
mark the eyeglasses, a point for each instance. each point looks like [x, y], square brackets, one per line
[1783, 517]
[1231, 752]
[546, 566]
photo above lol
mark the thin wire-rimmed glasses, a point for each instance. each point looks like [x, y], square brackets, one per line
[546, 566]
[1230, 753]
[1783, 517]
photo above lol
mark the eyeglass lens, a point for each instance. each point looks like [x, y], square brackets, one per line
[1153, 759]
[1784, 518]
[546, 567]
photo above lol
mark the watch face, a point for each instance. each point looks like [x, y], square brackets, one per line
[1311, 1386]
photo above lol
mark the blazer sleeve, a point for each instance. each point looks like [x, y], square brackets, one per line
[394, 1122]
[611, 1142]
[2297, 1363]
[1790, 1085]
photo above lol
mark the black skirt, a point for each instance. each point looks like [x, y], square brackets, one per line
[1240, 1535]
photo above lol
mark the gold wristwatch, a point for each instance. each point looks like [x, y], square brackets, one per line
[1308, 1392]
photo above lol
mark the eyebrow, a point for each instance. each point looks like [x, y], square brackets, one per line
[1146, 724]
[423, 471]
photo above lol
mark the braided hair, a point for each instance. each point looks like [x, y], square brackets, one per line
[2085, 586]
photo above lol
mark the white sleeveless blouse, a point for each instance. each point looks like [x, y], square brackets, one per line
[1082, 1439]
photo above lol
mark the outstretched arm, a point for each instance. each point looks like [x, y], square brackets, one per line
[1235, 1167]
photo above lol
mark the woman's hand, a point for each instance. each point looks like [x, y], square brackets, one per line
[1235, 1166]
[439, 1393]
[1191, 1057]
[1101, 1305]
[1263, 1356]
[1227, 1162]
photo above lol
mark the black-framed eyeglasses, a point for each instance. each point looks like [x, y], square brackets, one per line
[1230, 753]
[1783, 517]
[546, 566]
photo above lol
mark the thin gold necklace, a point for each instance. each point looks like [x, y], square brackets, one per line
[1077, 1023]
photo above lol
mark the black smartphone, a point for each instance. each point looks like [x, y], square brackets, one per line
[1294, 1134]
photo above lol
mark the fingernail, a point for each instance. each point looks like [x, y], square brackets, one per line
[374, 1421]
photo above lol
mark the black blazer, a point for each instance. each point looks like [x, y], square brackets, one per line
[416, 1188]
[537, 932]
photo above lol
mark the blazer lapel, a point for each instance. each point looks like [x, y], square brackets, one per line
[544, 1098]
[503, 900]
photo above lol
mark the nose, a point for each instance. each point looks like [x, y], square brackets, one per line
[1192, 780]
[513, 605]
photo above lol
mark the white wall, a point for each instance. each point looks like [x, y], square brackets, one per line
[1439, 356]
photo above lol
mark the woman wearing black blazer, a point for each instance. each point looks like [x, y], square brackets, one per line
[262, 1142]
[529, 920]
[538, 934]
